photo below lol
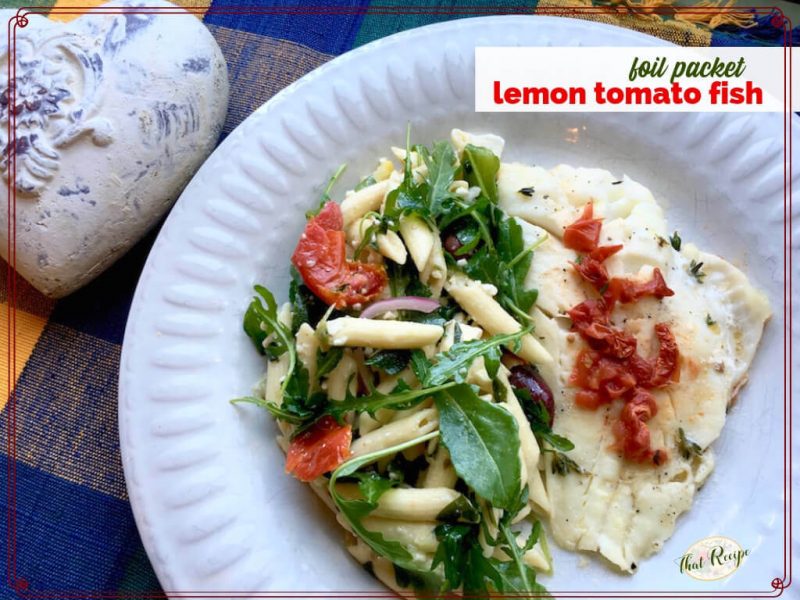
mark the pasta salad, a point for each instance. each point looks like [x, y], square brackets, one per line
[402, 373]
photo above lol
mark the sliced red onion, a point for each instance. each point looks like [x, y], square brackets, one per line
[416, 303]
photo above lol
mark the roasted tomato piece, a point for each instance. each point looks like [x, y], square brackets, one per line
[631, 432]
[584, 234]
[603, 252]
[626, 290]
[665, 368]
[592, 271]
[321, 261]
[319, 449]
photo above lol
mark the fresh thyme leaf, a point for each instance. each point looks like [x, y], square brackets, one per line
[675, 241]
[326, 193]
[480, 169]
[454, 363]
[695, 270]
[563, 464]
[687, 447]
[390, 362]
[709, 321]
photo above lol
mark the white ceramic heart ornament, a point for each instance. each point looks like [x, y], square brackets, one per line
[114, 113]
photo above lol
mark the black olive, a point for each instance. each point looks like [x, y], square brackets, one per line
[452, 244]
[527, 377]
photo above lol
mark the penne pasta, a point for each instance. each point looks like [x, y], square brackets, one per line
[406, 504]
[378, 333]
[473, 297]
[419, 535]
[529, 448]
[440, 472]
[419, 240]
[396, 432]
[341, 376]
[357, 204]
[307, 344]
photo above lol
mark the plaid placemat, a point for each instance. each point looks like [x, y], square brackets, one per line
[74, 526]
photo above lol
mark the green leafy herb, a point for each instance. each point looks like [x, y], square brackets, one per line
[480, 169]
[454, 363]
[402, 470]
[539, 420]
[441, 162]
[327, 361]
[366, 182]
[354, 511]
[299, 407]
[372, 486]
[687, 447]
[326, 193]
[483, 442]
[460, 510]
[306, 307]
[453, 552]
[261, 321]
[675, 241]
[402, 397]
[563, 464]
[695, 270]
[709, 321]
[390, 362]
[410, 197]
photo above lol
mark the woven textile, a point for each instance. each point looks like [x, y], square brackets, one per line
[74, 526]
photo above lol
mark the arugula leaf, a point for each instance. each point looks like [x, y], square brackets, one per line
[402, 470]
[454, 363]
[264, 317]
[409, 197]
[480, 169]
[298, 406]
[420, 365]
[366, 182]
[400, 398]
[390, 362]
[442, 163]
[372, 485]
[325, 196]
[539, 420]
[306, 307]
[460, 510]
[354, 511]
[261, 321]
[453, 551]
[483, 442]
[327, 361]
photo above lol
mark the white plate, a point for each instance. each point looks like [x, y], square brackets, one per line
[206, 481]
